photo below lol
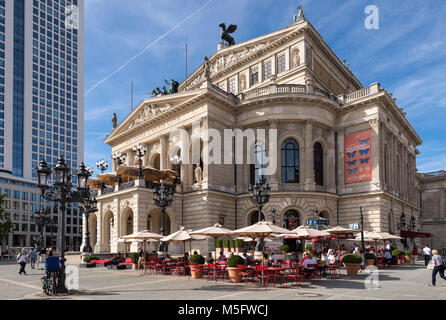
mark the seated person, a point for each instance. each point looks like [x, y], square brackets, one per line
[274, 259]
[248, 259]
[309, 261]
[388, 257]
[209, 259]
[222, 257]
[52, 264]
[305, 257]
[186, 258]
[331, 256]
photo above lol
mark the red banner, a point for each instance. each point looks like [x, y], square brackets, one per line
[358, 157]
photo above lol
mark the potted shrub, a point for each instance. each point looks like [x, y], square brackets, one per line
[232, 245]
[219, 245]
[352, 263]
[284, 248]
[399, 255]
[407, 255]
[234, 272]
[134, 257]
[308, 248]
[226, 245]
[370, 259]
[239, 245]
[87, 259]
[196, 266]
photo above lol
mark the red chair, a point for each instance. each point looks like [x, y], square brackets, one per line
[246, 273]
[263, 274]
[212, 271]
[297, 275]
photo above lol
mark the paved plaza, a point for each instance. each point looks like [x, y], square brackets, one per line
[401, 283]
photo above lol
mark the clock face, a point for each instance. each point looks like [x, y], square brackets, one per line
[221, 221]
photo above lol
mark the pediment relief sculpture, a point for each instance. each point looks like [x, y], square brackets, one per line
[148, 112]
[222, 62]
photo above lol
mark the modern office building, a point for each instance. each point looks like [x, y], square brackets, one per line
[41, 106]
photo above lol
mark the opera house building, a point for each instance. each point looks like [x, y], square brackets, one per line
[333, 146]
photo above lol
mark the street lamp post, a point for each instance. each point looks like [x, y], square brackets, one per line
[140, 152]
[88, 207]
[259, 193]
[119, 160]
[102, 165]
[362, 237]
[163, 195]
[41, 217]
[62, 193]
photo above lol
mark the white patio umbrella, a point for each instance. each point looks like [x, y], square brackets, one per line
[216, 231]
[120, 240]
[338, 230]
[184, 236]
[262, 230]
[144, 235]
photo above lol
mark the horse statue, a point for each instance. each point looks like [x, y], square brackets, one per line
[173, 86]
[225, 33]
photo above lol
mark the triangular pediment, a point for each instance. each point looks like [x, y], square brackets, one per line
[236, 56]
[148, 110]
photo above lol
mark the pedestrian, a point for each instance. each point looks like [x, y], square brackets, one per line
[438, 263]
[22, 259]
[32, 255]
[140, 257]
[427, 254]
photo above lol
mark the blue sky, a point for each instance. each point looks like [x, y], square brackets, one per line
[407, 55]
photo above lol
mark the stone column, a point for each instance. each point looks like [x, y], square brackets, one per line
[340, 173]
[329, 172]
[84, 230]
[274, 179]
[205, 182]
[163, 152]
[442, 204]
[309, 170]
[376, 152]
[98, 247]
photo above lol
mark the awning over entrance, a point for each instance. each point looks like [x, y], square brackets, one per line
[413, 234]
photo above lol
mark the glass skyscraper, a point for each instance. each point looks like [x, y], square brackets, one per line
[41, 104]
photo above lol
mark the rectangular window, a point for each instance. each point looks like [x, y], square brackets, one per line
[281, 63]
[267, 70]
[232, 86]
[254, 75]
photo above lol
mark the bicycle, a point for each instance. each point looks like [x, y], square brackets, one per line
[49, 285]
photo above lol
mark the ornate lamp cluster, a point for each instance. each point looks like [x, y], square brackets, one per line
[259, 193]
[140, 151]
[62, 192]
[163, 196]
[102, 165]
[119, 160]
[41, 217]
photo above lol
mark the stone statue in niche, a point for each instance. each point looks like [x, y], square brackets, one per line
[199, 175]
[295, 58]
[207, 69]
[243, 82]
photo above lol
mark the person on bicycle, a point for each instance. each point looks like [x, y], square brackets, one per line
[52, 264]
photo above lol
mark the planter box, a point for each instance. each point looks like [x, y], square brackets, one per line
[234, 274]
[352, 268]
[196, 271]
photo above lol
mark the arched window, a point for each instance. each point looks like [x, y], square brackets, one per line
[290, 161]
[130, 225]
[318, 156]
[255, 217]
[156, 163]
[257, 170]
[390, 222]
[291, 220]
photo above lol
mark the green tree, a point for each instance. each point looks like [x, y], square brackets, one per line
[5, 223]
